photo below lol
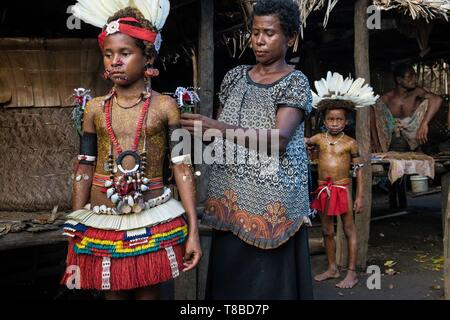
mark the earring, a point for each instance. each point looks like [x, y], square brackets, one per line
[150, 72]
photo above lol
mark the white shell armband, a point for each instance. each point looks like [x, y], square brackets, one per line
[356, 168]
[86, 157]
[186, 159]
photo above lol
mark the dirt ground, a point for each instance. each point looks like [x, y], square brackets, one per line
[411, 247]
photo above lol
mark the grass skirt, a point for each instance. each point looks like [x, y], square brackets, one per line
[123, 260]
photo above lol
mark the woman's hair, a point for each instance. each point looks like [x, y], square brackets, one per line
[287, 11]
[147, 48]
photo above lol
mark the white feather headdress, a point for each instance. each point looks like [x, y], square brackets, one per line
[97, 12]
[335, 87]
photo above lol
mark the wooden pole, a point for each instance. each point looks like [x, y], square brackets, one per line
[206, 79]
[445, 184]
[206, 57]
[362, 69]
[446, 231]
[190, 285]
[447, 252]
[194, 73]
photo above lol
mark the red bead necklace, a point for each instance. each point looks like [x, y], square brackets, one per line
[110, 130]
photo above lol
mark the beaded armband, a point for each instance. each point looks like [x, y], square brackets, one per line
[88, 154]
[88, 148]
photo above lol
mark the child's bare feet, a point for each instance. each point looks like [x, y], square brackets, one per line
[349, 281]
[329, 274]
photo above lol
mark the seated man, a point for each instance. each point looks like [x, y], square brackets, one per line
[405, 112]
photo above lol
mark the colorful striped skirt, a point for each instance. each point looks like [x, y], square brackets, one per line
[142, 249]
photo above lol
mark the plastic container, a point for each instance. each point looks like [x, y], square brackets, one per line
[419, 184]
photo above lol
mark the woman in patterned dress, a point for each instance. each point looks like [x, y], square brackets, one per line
[258, 208]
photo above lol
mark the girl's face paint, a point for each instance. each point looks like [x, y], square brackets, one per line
[123, 59]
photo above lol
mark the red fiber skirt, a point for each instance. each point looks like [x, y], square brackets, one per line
[85, 270]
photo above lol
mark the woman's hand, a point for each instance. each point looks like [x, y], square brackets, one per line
[190, 120]
[193, 252]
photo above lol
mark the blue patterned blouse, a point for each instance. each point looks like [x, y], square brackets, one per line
[261, 199]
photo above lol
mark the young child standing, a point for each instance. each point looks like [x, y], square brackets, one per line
[337, 152]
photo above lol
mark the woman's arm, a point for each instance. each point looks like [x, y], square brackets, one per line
[286, 122]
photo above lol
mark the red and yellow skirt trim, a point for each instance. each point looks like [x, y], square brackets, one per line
[124, 260]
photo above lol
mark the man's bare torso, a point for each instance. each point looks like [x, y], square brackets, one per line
[403, 105]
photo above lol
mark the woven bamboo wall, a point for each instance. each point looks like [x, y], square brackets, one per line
[38, 143]
[37, 149]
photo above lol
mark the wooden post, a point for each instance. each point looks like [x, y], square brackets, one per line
[446, 231]
[447, 250]
[206, 74]
[445, 183]
[362, 69]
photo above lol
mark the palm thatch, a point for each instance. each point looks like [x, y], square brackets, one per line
[308, 6]
[426, 9]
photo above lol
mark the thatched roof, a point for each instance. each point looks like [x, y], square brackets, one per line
[428, 10]
[308, 6]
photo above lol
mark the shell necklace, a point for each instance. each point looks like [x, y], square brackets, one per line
[332, 143]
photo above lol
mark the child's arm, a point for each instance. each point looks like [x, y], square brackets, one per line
[185, 181]
[312, 141]
[358, 205]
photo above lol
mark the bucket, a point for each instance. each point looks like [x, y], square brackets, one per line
[419, 184]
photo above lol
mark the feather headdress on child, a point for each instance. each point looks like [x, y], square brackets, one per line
[351, 92]
[97, 12]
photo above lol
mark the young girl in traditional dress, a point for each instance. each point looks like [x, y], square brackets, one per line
[127, 234]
